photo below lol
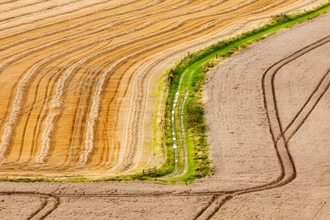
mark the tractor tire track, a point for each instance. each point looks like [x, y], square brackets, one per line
[44, 210]
[308, 107]
[280, 138]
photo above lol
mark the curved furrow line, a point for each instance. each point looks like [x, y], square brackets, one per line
[268, 6]
[17, 103]
[128, 2]
[43, 211]
[46, 10]
[23, 6]
[46, 138]
[157, 12]
[43, 104]
[55, 103]
[36, 130]
[87, 79]
[86, 84]
[15, 57]
[84, 22]
[78, 118]
[109, 149]
[23, 142]
[6, 2]
[8, 129]
[284, 62]
[102, 28]
[40, 106]
[37, 49]
[110, 159]
[7, 20]
[52, 204]
[301, 5]
[288, 171]
[22, 55]
[107, 161]
[27, 111]
[57, 22]
[308, 107]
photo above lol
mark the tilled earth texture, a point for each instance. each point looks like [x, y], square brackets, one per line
[77, 95]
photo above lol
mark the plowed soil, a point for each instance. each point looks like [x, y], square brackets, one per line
[267, 109]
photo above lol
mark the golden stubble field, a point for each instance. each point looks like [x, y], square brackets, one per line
[78, 78]
[78, 102]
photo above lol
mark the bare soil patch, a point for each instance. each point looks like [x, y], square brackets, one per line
[300, 85]
[20, 206]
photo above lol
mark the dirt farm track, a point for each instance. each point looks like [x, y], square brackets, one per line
[78, 86]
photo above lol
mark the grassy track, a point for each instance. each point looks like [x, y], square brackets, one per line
[189, 76]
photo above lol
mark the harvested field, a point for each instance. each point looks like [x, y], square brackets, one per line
[78, 77]
[268, 114]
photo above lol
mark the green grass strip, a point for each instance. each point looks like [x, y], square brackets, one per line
[199, 64]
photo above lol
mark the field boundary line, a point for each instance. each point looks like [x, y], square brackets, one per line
[288, 173]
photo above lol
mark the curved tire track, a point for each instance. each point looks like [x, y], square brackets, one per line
[280, 138]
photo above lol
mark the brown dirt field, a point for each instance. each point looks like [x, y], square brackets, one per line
[78, 78]
[20, 206]
[166, 207]
[291, 71]
[270, 161]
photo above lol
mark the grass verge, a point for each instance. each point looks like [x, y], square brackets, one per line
[199, 64]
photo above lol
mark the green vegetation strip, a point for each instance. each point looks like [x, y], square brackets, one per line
[193, 71]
